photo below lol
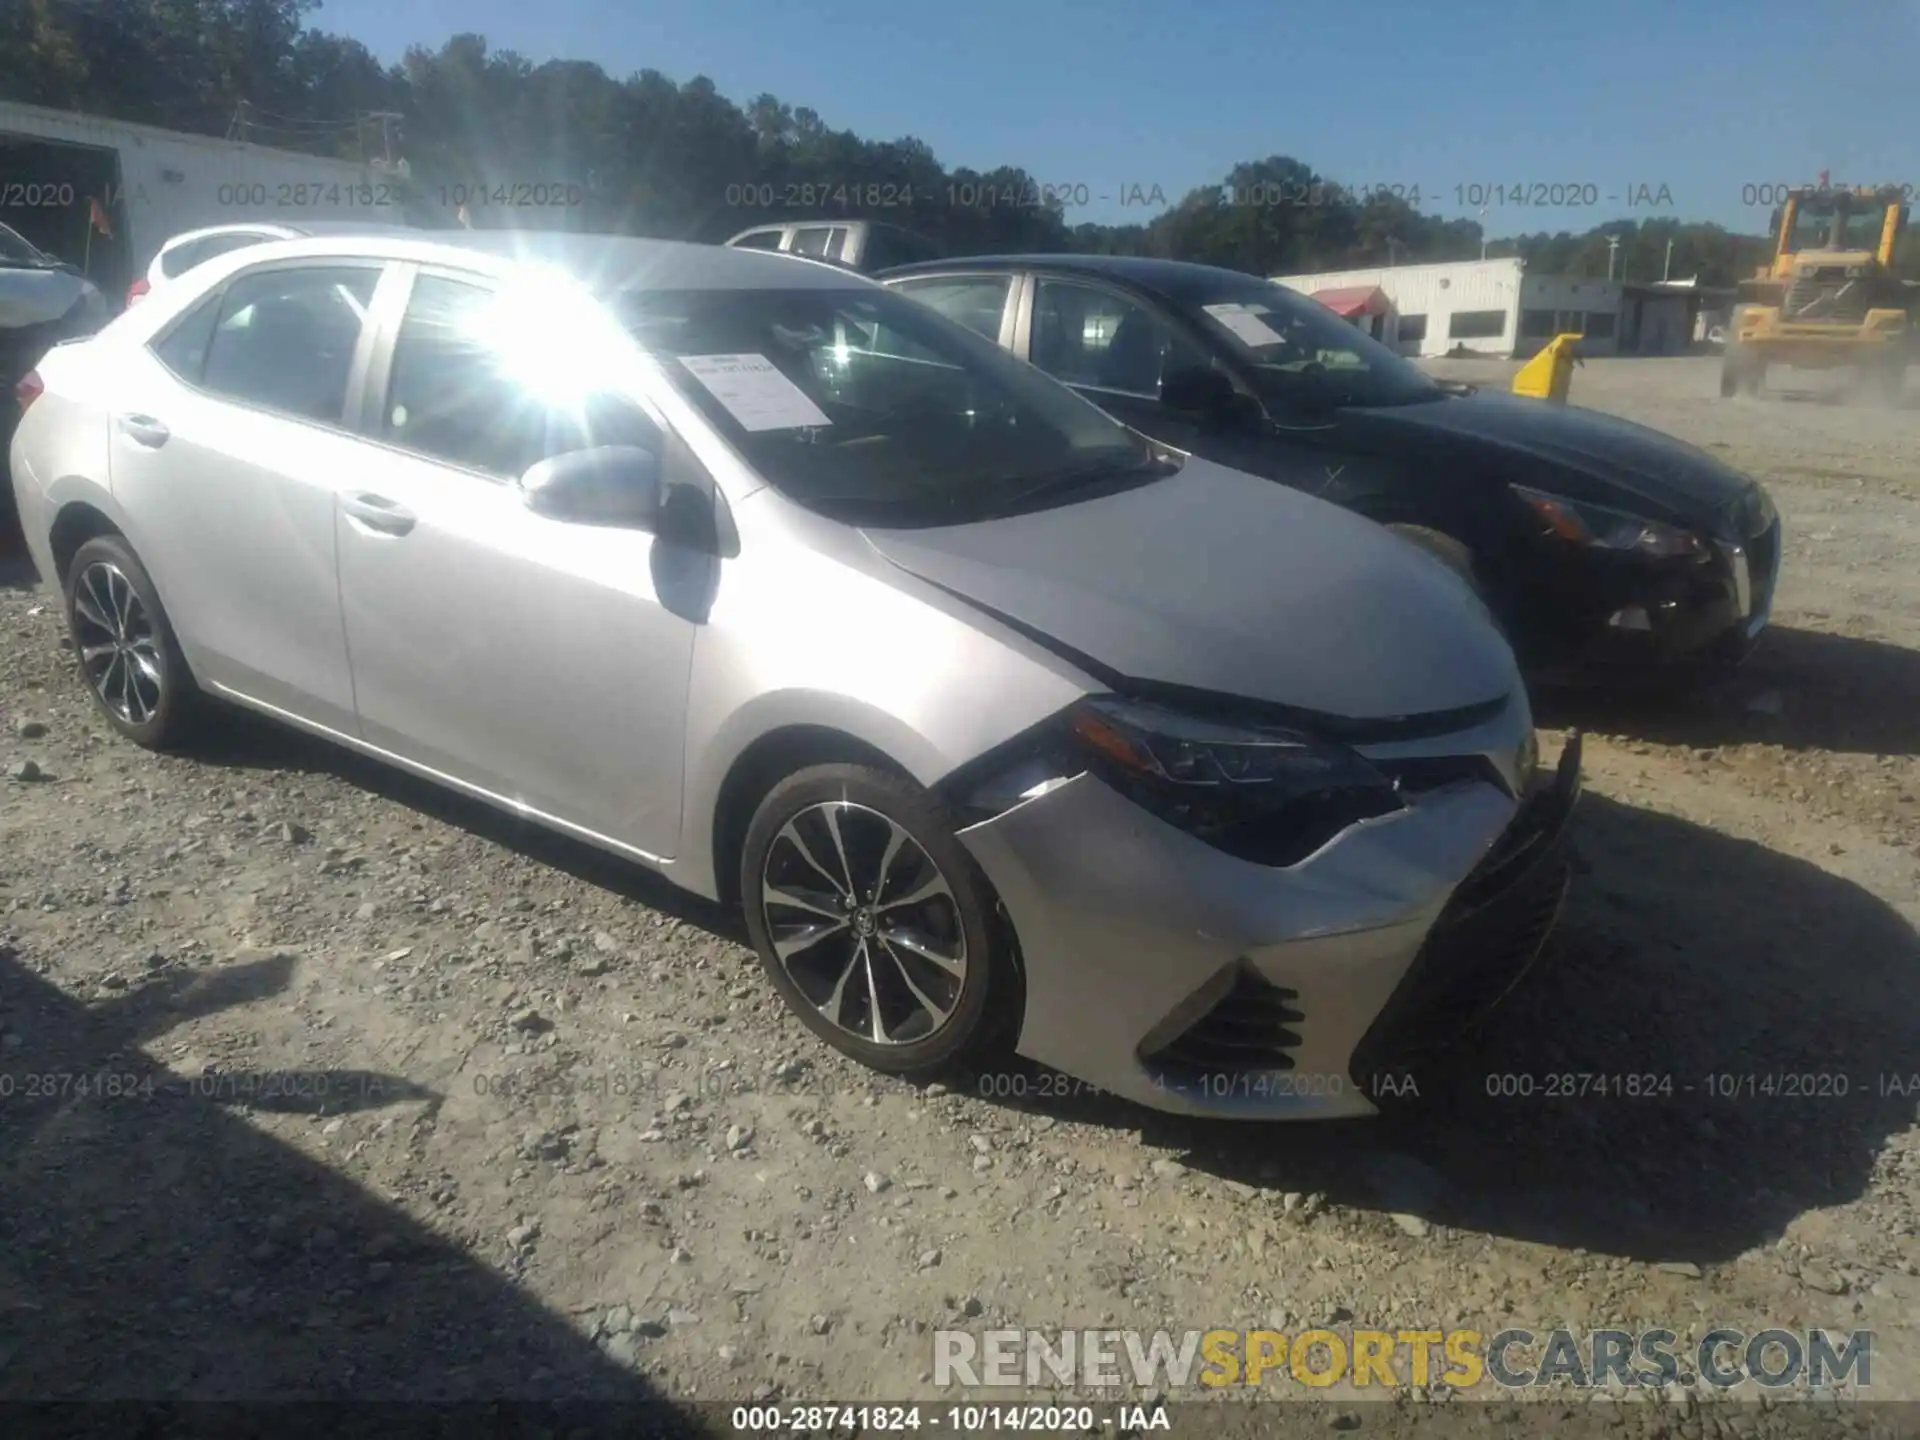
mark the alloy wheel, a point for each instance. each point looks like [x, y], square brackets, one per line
[864, 923]
[119, 651]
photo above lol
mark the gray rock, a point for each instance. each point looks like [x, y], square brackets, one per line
[605, 943]
[739, 1137]
[622, 1349]
[929, 1259]
[876, 1182]
[678, 1316]
[1410, 1225]
[521, 1236]
[1168, 1169]
[1685, 1268]
[1818, 1277]
[820, 1324]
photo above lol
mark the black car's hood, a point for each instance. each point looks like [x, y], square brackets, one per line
[1610, 461]
[1215, 580]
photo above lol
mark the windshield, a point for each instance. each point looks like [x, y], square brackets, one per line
[1814, 230]
[868, 406]
[14, 249]
[1293, 344]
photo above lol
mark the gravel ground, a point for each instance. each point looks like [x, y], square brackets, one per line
[425, 1104]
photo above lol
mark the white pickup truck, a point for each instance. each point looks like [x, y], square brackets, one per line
[863, 245]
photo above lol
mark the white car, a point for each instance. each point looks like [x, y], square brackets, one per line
[195, 247]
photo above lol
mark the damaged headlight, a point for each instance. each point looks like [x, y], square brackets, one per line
[1583, 523]
[1269, 796]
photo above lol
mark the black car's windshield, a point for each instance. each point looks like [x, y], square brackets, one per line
[1293, 344]
[866, 405]
[15, 250]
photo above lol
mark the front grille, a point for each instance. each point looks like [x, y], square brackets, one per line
[1252, 1028]
[1826, 299]
[1491, 930]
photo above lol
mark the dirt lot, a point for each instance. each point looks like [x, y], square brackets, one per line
[441, 1107]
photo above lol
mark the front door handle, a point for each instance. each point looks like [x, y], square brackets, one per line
[143, 430]
[376, 512]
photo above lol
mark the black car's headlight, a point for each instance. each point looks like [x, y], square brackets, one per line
[1584, 523]
[1265, 795]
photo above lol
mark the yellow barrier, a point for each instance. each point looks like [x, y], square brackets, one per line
[1549, 375]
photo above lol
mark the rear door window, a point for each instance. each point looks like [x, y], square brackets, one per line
[286, 338]
[976, 301]
[813, 239]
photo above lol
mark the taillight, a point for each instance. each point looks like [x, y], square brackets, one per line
[137, 291]
[29, 388]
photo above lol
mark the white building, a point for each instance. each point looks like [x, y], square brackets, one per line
[105, 194]
[1485, 307]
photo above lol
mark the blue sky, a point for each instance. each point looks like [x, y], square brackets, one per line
[1705, 97]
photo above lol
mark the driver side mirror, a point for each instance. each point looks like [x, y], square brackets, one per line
[617, 485]
[1199, 390]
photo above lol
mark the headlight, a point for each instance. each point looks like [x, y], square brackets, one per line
[1596, 525]
[1264, 795]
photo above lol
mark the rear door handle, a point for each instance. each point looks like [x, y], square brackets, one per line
[376, 512]
[143, 430]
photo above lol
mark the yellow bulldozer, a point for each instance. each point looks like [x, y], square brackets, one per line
[1831, 297]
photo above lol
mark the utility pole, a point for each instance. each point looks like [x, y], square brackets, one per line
[1613, 248]
[1666, 270]
[386, 119]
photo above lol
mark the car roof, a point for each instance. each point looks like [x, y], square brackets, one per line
[1168, 277]
[288, 229]
[604, 263]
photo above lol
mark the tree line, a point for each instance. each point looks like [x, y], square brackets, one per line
[648, 155]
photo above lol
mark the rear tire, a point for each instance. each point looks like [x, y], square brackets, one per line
[885, 943]
[128, 656]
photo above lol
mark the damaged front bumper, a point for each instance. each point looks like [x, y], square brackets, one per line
[1169, 973]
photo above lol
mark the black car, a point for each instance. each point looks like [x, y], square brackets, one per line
[1604, 548]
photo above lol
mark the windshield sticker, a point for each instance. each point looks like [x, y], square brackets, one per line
[1246, 326]
[755, 392]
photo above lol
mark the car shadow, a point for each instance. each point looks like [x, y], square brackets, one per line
[1801, 689]
[1689, 965]
[243, 740]
[157, 1247]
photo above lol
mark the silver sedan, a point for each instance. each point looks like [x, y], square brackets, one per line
[1006, 727]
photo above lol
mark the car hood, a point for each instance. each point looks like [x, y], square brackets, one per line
[1612, 461]
[30, 296]
[1216, 580]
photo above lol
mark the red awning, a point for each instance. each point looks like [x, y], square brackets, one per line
[1354, 300]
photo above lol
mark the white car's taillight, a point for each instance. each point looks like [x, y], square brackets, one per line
[29, 388]
[137, 292]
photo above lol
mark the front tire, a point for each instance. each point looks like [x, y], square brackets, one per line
[129, 658]
[874, 923]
